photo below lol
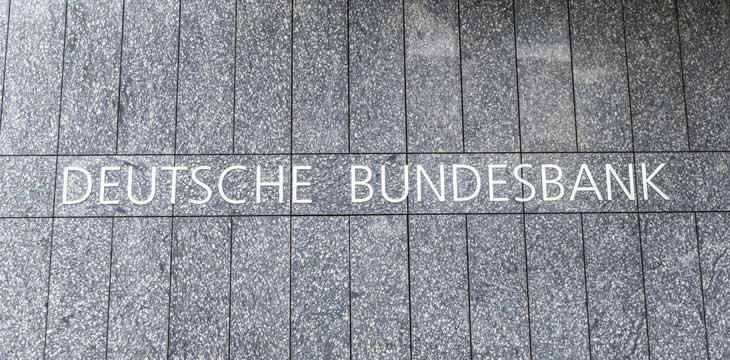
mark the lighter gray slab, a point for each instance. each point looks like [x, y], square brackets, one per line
[714, 238]
[4, 18]
[498, 284]
[24, 259]
[26, 186]
[79, 293]
[439, 295]
[260, 288]
[140, 285]
[380, 302]
[320, 324]
[32, 77]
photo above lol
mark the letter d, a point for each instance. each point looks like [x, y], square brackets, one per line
[66, 171]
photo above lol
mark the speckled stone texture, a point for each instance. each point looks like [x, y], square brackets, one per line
[714, 239]
[4, 18]
[27, 186]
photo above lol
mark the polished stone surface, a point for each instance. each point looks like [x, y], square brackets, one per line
[27, 186]
[714, 240]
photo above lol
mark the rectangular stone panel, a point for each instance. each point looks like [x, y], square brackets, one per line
[320, 294]
[4, 18]
[25, 246]
[380, 302]
[26, 186]
[439, 287]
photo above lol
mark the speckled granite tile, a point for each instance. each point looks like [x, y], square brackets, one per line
[655, 76]
[79, 293]
[260, 288]
[141, 185]
[377, 92]
[32, 77]
[379, 267]
[433, 81]
[488, 67]
[320, 76]
[4, 18]
[200, 288]
[584, 200]
[499, 319]
[205, 95]
[705, 35]
[239, 185]
[26, 186]
[599, 66]
[263, 57]
[439, 298]
[714, 238]
[148, 82]
[140, 282]
[615, 288]
[330, 176]
[320, 324]
[24, 257]
[557, 288]
[545, 78]
[91, 77]
[673, 289]
[467, 184]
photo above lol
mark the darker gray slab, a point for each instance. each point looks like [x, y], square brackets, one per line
[705, 39]
[655, 76]
[260, 288]
[673, 288]
[200, 301]
[148, 82]
[4, 18]
[205, 94]
[320, 88]
[491, 122]
[545, 78]
[380, 302]
[557, 288]
[498, 284]
[140, 285]
[32, 87]
[439, 298]
[91, 77]
[263, 58]
[714, 238]
[26, 186]
[433, 87]
[377, 91]
[599, 66]
[24, 258]
[79, 293]
[615, 288]
[320, 323]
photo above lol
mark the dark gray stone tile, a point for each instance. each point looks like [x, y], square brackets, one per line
[263, 57]
[91, 77]
[377, 88]
[205, 95]
[26, 186]
[439, 295]
[260, 288]
[705, 38]
[141, 167]
[200, 288]
[655, 76]
[320, 326]
[545, 78]
[148, 82]
[320, 77]
[615, 288]
[498, 282]
[555, 269]
[433, 83]
[140, 284]
[714, 238]
[673, 288]
[490, 88]
[78, 298]
[24, 258]
[32, 87]
[379, 267]
[599, 66]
